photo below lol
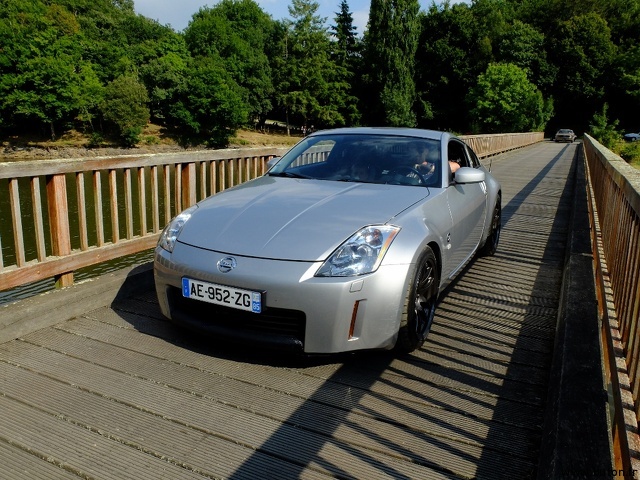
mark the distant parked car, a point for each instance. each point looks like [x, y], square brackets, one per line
[632, 137]
[565, 135]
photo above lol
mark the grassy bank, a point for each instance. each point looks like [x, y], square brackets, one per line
[629, 151]
[154, 139]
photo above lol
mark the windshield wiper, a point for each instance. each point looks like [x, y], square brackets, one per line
[288, 175]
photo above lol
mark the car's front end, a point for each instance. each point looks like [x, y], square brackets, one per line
[298, 310]
[309, 265]
[565, 136]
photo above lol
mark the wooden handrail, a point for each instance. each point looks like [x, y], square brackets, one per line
[614, 194]
[90, 203]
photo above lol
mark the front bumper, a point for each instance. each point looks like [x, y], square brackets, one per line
[300, 311]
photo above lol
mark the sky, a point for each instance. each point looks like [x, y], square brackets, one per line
[177, 13]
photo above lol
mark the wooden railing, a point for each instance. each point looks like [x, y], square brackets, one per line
[486, 145]
[127, 201]
[69, 214]
[614, 193]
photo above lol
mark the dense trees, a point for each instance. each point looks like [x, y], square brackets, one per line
[390, 47]
[491, 65]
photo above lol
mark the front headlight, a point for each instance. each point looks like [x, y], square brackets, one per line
[361, 254]
[170, 233]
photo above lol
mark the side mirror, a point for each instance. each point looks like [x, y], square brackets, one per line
[272, 162]
[469, 175]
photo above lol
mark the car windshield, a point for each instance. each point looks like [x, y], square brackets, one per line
[564, 131]
[381, 159]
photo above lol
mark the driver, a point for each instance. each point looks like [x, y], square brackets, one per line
[424, 163]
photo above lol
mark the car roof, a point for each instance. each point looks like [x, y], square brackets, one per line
[393, 131]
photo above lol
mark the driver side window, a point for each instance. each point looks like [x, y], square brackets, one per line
[457, 154]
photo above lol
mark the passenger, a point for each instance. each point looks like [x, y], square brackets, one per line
[361, 171]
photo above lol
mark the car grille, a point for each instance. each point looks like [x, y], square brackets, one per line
[273, 327]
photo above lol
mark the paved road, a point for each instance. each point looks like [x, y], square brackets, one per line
[118, 393]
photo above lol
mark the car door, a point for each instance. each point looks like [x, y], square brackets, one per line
[467, 205]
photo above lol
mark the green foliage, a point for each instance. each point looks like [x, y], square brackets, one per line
[390, 49]
[44, 77]
[237, 32]
[629, 151]
[125, 106]
[504, 100]
[211, 107]
[484, 65]
[523, 45]
[311, 88]
[603, 131]
[347, 54]
[449, 59]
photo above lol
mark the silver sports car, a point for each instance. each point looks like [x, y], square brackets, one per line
[345, 244]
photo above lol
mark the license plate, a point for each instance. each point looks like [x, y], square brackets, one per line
[222, 295]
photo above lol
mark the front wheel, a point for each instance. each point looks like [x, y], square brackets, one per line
[420, 304]
[491, 243]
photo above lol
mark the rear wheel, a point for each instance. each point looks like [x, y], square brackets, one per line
[491, 244]
[420, 304]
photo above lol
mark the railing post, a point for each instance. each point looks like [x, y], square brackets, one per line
[188, 185]
[59, 223]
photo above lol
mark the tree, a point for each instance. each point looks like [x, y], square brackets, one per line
[390, 48]
[504, 100]
[211, 107]
[165, 75]
[346, 46]
[125, 106]
[583, 53]
[523, 45]
[45, 78]
[603, 131]
[346, 53]
[237, 32]
[313, 88]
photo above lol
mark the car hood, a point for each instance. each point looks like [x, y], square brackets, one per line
[293, 219]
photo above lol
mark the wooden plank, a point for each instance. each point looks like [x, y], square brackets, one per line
[35, 271]
[59, 166]
[328, 454]
[178, 188]
[19, 464]
[155, 200]
[166, 177]
[178, 444]
[97, 205]
[16, 221]
[59, 223]
[44, 310]
[202, 169]
[60, 443]
[128, 203]
[142, 201]
[113, 202]
[38, 219]
[223, 175]
[213, 180]
[188, 184]
[82, 211]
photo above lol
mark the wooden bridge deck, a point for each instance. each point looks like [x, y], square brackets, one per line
[119, 393]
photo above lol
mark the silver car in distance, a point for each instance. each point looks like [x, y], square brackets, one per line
[344, 244]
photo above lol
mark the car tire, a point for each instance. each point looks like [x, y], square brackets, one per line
[491, 243]
[420, 303]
